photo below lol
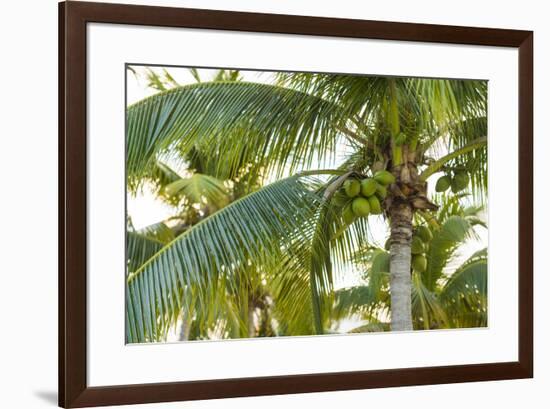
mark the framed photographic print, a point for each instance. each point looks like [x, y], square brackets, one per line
[256, 204]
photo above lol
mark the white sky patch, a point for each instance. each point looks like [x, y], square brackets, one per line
[145, 209]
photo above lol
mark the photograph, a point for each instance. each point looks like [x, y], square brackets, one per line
[275, 204]
[264, 204]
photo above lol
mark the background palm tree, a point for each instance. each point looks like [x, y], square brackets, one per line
[307, 134]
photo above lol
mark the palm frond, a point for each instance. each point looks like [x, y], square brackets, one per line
[266, 124]
[195, 74]
[426, 308]
[163, 175]
[436, 166]
[321, 265]
[465, 292]
[198, 187]
[308, 277]
[158, 231]
[369, 299]
[454, 116]
[353, 300]
[444, 102]
[293, 303]
[143, 244]
[360, 96]
[252, 228]
[443, 246]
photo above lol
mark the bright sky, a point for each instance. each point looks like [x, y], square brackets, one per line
[144, 209]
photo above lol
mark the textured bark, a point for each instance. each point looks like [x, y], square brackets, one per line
[400, 266]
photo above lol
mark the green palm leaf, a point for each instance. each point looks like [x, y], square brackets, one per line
[438, 164]
[443, 246]
[162, 175]
[320, 266]
[143, 244]
[303, 292]
[266, 124]
[370, 299]
[353, 300]
[295, 307]
[426, 308]
[252, 228]
[198, 187]
[465, 292]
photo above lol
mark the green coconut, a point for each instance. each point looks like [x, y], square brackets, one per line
[348, 214]
[417, 246]
[384, 177]
[360, 206]
[419, 263]
[340, 199]
[374, 204]
[387, 244]
[381, 191]
[424, 233]
[352, 187]
[368, 187]
[442, 184]
[460, 182]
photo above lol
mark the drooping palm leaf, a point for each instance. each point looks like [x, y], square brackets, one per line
[353, 300]
[251, 228]
[332, 249]
[320, 266]
[437, 165]
[465, 292]
[426, 308]
[143, 244]
[303, 294]
[294, 308]
[443, 246]
[360, 96]
[267, 124]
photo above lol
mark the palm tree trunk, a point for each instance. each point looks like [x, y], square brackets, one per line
[400, 266]
[185, 328]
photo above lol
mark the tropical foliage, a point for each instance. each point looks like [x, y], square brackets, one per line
[443, 296]
[259, 236]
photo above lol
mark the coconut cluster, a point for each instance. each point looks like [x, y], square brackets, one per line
[457, 181]
[365, 195]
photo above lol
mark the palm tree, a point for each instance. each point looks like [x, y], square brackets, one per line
[442, 296]
[293, 129]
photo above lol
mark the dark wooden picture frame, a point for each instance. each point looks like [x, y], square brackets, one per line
[73, 388]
